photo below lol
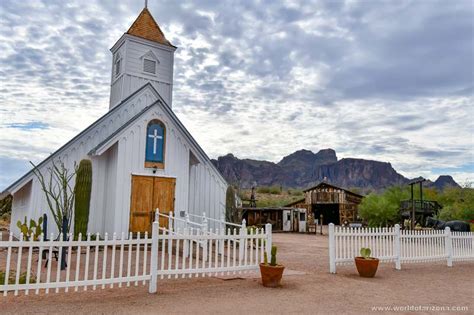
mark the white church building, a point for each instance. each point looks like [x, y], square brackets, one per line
[142, 156]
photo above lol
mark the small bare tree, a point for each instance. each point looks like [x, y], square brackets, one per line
[58, 191]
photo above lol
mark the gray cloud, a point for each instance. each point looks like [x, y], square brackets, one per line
[383, 80]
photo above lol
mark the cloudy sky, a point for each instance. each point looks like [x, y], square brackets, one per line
[384, 80]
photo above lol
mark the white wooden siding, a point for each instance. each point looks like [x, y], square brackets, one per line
[131, 157]
[21, 203]
[124, 156]
[132, 49]
[75, 151]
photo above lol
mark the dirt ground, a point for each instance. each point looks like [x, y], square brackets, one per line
[308, 288]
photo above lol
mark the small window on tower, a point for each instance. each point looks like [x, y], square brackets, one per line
[149, 66]
[117, 67]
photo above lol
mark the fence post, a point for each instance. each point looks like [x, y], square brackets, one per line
[170, 221]
[242, 232]
[449, 246]
[186, 232]
[332, 249]
[396, 246]
[204, 229]
[269, 240]
[154, 255]
[222, 232]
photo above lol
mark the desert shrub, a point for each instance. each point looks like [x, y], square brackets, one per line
[295, 192]
[12, 277]
[6, 205]
[382, 209]
[263, 190]
[6, 217]
[458, 204]
[274, 190]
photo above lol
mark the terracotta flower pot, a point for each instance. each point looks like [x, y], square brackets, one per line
[271, 275]
[367, 267]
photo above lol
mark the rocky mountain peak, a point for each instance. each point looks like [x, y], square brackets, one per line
[305, 168]
[326, 156]
[444, 181]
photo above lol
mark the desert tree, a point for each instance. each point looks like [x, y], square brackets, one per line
[56, 186]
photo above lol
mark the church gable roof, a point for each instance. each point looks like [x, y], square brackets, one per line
[99, 122]
[26, 178]
[106, 143]
[146, 27]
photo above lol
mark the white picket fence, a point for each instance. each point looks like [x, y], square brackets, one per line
[108, 262]
[399, 246]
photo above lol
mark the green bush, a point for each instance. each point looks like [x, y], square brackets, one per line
[382, 209]
[458, 204]
[12, 277]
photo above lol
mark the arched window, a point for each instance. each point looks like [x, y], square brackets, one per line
[155, 144]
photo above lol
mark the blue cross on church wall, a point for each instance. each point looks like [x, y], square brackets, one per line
[154, 143]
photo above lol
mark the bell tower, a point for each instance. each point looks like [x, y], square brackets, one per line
[142, 55]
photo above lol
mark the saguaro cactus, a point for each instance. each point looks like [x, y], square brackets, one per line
[82, 191]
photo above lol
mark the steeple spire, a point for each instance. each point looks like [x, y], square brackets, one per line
[146, 27]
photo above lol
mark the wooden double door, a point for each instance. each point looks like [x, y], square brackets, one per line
[149, 193]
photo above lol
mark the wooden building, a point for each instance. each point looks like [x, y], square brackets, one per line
[335, 204]
[289, 219]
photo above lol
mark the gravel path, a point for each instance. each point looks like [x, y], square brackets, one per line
[307, 289]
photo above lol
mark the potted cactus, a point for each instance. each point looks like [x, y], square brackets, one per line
[271, 272]
[366, 265]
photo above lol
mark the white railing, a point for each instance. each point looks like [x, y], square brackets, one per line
[395, 245]
[186, 253]
[109, 262]
[200, 228]
[90, 263]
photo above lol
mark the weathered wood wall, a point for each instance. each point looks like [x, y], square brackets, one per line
[327, 194]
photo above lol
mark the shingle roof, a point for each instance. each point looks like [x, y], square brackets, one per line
[146, 27]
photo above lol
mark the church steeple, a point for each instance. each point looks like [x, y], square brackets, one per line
[142, 55]
[146, 27]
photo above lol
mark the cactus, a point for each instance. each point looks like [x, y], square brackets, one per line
[365, 252]
[273, 260]
[265, 258]
[34, 229]
[82, 191]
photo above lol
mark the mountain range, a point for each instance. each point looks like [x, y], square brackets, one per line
[305, 168]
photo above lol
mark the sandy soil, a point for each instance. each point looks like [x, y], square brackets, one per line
[307, 289]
